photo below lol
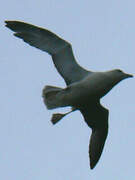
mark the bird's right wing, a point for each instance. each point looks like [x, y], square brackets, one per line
[59, 49]
[96, 145]
[96, 117]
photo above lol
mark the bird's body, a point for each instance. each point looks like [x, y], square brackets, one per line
[86, 91]
[84, 88]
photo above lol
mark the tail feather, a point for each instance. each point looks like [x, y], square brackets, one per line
[50, 96]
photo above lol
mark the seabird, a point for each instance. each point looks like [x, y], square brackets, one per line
[84, 88]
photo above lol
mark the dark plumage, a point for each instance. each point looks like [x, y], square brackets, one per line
[84, 88]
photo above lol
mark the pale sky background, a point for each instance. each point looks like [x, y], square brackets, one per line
[102, 34]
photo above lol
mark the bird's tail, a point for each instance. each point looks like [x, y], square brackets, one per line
[51, 97]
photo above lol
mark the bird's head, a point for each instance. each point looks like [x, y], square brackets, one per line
[118, 75]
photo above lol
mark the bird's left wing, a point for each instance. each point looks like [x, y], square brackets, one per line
[96, 117]
[58, 48]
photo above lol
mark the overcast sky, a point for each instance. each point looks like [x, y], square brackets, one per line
[102, 34]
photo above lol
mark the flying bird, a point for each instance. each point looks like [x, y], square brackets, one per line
[84, 88]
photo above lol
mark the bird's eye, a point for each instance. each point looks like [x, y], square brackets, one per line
[118, 70]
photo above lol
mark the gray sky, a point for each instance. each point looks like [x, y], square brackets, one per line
[102, 34]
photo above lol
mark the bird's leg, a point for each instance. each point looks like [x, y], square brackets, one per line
[58, 116]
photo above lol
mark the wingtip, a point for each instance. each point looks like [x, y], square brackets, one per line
[10, 21]
[6, 23]
[14, 25]
[9, 24]
[92, 166]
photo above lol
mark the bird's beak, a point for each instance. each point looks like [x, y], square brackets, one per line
[129, 75]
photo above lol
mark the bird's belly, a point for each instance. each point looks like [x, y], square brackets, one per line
[80, 95]
[86, 91]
